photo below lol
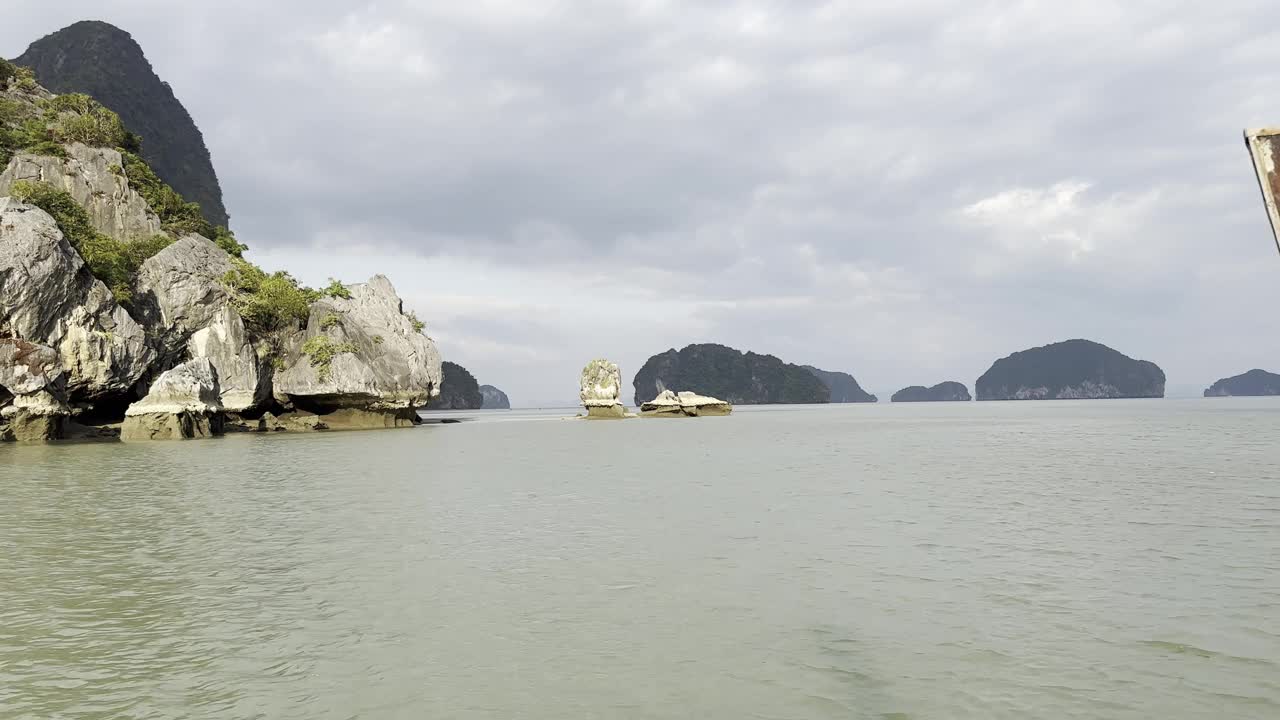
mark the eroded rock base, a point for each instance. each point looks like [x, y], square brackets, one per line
[171, 426]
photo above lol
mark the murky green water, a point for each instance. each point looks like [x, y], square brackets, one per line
[1050, 560]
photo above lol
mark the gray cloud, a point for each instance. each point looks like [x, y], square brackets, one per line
[903, 192]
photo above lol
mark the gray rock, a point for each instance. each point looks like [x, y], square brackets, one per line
[600, 390]
[380, 362]
[684, 404]
[95, 178]
[182, 403]
[180, 299]
[494, 399]
[35, 407]
[49, 297]
[26, 367]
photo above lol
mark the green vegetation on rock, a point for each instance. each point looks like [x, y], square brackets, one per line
[268, 302]
[322, 349]
[177, 216]
[113, 262]
[330, 320]
[336, 289]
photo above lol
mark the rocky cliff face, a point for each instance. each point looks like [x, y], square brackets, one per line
[1074, 369]
[458, 389]
[494, 399]
[1253, 383]
[103, 61]
[248, 341]
[942, 392]
[723, 372]
[844, 388]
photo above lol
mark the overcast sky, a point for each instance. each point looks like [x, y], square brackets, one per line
[904, 192]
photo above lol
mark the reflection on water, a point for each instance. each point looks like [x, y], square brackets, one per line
[1116, 559]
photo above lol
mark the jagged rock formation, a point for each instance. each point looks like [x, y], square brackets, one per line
[96, 180]
[458, 389]
[685, 404]
[369, 356]
[32, 392]
[494, 399]
[348, 353]
[49, 297]
[182, 403]
[949, 391]
[719, 371]
[1074, 369]
[1253, 383]
[104, 62]
[180, 299]
[843, 387]
[601, 390]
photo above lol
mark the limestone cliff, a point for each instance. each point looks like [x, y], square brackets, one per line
[458, 389]
[844, 388]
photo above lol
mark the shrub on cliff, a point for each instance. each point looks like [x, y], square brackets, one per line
[176, 214]
[113, 262]
[268, 302]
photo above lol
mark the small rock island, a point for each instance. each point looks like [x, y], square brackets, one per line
[493, 398]
[1251, 384]
[842, 386]
[600, 390]
[740, 378]
[684, 404]
[1070, 370]
[949, 391]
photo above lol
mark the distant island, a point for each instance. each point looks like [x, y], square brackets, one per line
[843, 387]
[458, 389]
[949, 391]
[731, 375]
[1253, 383]
[1074, 369]
[494, 399]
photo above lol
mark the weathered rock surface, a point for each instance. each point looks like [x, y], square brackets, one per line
[741, 378]
[49, 297]
[600, 390]
[34, 406]
[949, 391]
[1253, 383]
[494, 399]
[844, 388]
[458, 389]
[684, 404]
[380, 361]
[182, 403]
[26, 368]
[180, 299]
[1074, 369]
[96, 179]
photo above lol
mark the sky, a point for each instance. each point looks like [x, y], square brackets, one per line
[905, 191]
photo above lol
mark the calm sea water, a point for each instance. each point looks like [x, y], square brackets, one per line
[1038, 560]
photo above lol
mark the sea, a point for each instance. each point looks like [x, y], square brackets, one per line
[1070, 559]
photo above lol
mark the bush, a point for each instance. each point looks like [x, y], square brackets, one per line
[76, 117]
[336, 289]
[7, 71]
[268, 302]
[321, 349]
[113, 262]
[330, 320]
[418, 325]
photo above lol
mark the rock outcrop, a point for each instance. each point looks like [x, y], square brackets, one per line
[843, 387]
[949, 391]
[181, 301]
[103, 61]
[33, 399]
[1074, 369]
[95, 178]
[1253, 383]
[740, 378]
[601, 390]
[49, 297]
[494, 399]
[362, 353]
[182, 403]
[685, 404]
[458, 389]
